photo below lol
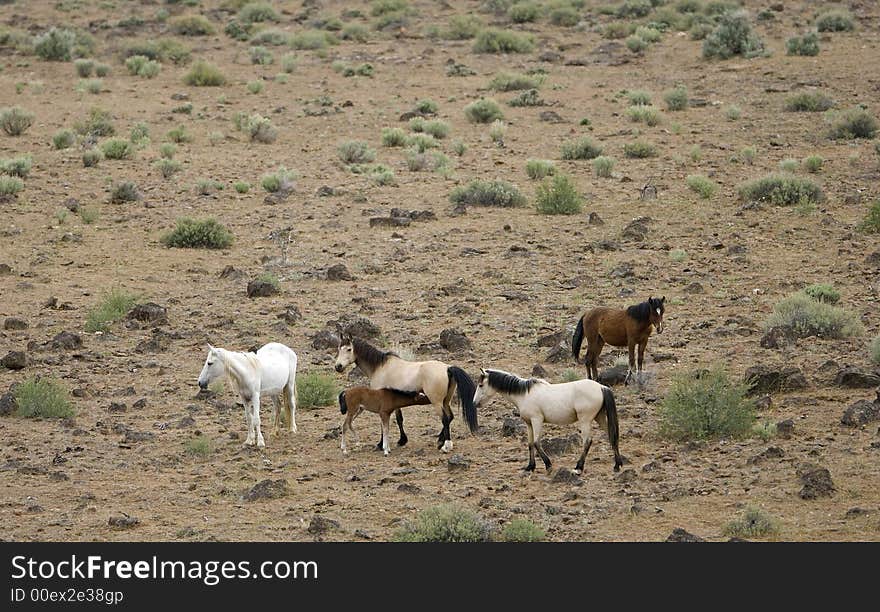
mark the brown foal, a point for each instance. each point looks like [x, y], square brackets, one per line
[380, 401]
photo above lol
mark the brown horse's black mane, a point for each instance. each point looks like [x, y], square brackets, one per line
[640, 312]
[369, 354]
[509, 383]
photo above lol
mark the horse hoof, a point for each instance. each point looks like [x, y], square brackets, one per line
[261, 445]
[528, 469]
[402, 441]
[447, 446]
[293, 429]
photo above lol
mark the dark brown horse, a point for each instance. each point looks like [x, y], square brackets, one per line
[629, 327]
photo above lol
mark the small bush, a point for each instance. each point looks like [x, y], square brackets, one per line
[316, 390]
[639, 98]
[803, 45]
[701, 185]
[564, 16]
[17, 166]
[639, 150]
[524, 12]
[732, 112]
[421, 142]
[10, 186]
[540, 168]
[115, 304]
[92, 86]
[488, 193]
[853, 123]
[167, 150]
[139, 134]
[15, 120]
[198, 234]
[678, 255]
[527, 98]
[117, 148]
[871, 222]
[200, 446]
[462, 27]
[56, 45]
[84, 67]
[288, 63]
[835, 21]
[382, 175]
[426, 107]
[102, 70]
[92, 157]
[459, 148]
[603, 166]
[788, 165]
[808, 102]
[781, 190]
[823, 292]
[280, 180]
[492, 40]
[748, 154]
[311, 40]
[875, 351]
[436, 128]
[179, 135]
[355, 32]
[581, 148]
[89, 214]
[732, 36]
[676, 98]
[497, 132]
[558, 196]
[507, 81]
[355, 152]
[484, 110]
[636, 44]
[257, 12]
[134, 63]
[191, 25]
[813, 163]
[522, 530]
[393, 137]
[618, 29]
[203, 74]
[634, 8]
[126, 191]
[809, 317]
[260, 129]
[42, 397]
[648, 115]
[754, 523]
[241, 186]
[63, 139]
[446, 523]
[167, 167]
[255, 87]
[261, 56]
[706, 405]
[98, 124]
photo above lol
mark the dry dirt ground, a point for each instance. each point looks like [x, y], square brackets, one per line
[503, 277]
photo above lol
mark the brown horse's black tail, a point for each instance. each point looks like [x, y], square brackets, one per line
[343, 407]
[577, 339]
[610, 409]
[466, 390]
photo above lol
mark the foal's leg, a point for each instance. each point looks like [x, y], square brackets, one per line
[261, 443]
[403, 439]
[249, 419]
[537, 426]
[346, 424]
[386, 417]
[587, 435]
[531, 466]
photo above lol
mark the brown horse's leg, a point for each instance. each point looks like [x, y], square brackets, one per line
[593, 351]
[531, 466]
[642, 345]
[631, 344]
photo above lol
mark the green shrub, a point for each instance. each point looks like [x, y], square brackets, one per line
[207, 186]
[676, 98]
[280, 180]
[788, 165]
[255, 87]
[179, 135]
[117, 148]
[507, 81]
[871, 222]
[558, 196]
[462, 27]
[732, 112]
[56, 45]
[355, 152]
[488, 193]
[853, 123]
[257, 12]
[426, 107]
[648, 34]
[421, 142]
[89, 214]
[198, 234]
[835, 21]
[527, 98]
[241, 186]
[382, 175]
[459, 148]
[446, 523]
[497, 132]
[167, 167]
[732, 36]
[134, 63]
[15, 120]
[311, 40]
[98, 124]
[813, 163]
[781, 190]
[808, 102]
[618, 30]
[639, 150]
[191, 25]
[603, 166]
[315, 390]
[564, 16]
[753, 523]
[678, 255]
[648, 115]
[126, 191]
[114, 305]
[522, 530]
[167, 150]
[809, 317]
[393, 137]
[484, 110]
[63, 139]
[706, 405]
[239, 31]
[639, 98]
[199, 445]
[17, 166]
[492, 40]
[355, 32]
[702, 185]
[139, 134]
[875, 351]
[823, 292]
[803, 45]
[539, 168]
[84, 67]
[10, 186]
[524, 12]
[270, 36]
[288, 63]
[92, 157]
[634, 8]
[203, 74]
[261, 56]
[42, 397]
[748, 154]
[636, 44]
[581, 148]
[260, 129]
[92, 86]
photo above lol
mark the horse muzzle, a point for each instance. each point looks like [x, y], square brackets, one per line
[339, 368]
[203, 385]
[659, 328]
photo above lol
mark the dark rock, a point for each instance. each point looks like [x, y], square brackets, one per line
[595, 219]
[66, 341]
[538, 371]
[14, 360]
[764, 402]
[385, 222]
[415, 215]
[14, 324]
[291, 314]
[562, 444]
[680, 535]
[785, 429]
[325, 339]
[325, 191]
[140, 404]
[774, 452]
[320, 525]
[266, 489]
[854, 378]
[816, 480]
[765, 379]
[778, 337]
[855, 512]
[230, 273]
[512, 426]
[873, 259]
[7, 403]
[158, 342]
[457, 463]
[185, 422]
[551, 57]
[339, 272]
[624, 270]
[627, 475]
[332, 434]
[694, 288]
[861, 413]
[454, 341]
[615, 375]
[563, 335]
[356, 325]
[261, 288]
[637, 229]
[5, 269]
[123, 522]
[566, 477]
[550, 117]
[560, 353]
[138, 436]
[409, 488]
[117, 407]
[149, 312]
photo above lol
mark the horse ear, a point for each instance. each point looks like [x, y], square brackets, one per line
[663, 300]
[210, 348]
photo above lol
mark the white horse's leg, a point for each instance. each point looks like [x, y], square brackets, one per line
[291, 404]
[276, 402]
[386, 447]
[249, 418]
[256, 402]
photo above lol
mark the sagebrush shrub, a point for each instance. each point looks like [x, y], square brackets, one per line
[198, 234]
[823, 292]
[492, 40]
[835, 21]
[179, 135]
[393, 137]
[92, 157]
[639, 150]
[17, 166]
[15, 121]
[10, 186]
[639, 98]
[676, 98]
[42, 397]
[753, 523]
[316, 390]
[488, 193]
[56, 45]
[871, 223]
[117, 148]
[781, 190]
[527, 98]
[813, 163]
[84, 67]
[702, 185]
[508, 81]
[603, 166]
[462, 27]
[524, 12]
[853, 123]
[355, 152]
[809, 317]
[280, 180]
[203, 74]
[125, 191]
[191, 25]
[446, 523]
[558, 195]
[114, 305]
[732, 36]
[522, 530]
[648, 115]
[807, 45]
[581, 148]
[258, 12]
[808, 102]
[63, 139]
[167, 167]
[539, 168]
[485, 110]
[875, 351]
[99, 123]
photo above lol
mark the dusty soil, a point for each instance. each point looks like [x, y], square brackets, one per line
[504, 278]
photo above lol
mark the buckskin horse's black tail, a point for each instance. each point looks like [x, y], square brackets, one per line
[577, 339]
[343, 407]
[610, 409]
[466, 390]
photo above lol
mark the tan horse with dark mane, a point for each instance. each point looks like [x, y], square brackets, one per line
[628, 327]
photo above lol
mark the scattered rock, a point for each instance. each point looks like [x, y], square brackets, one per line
[785, 429]
[595, 219]
[624, 270]
[14, 360]
[123, 522]
[550, 117]
[615, 375]
[409, 488]
[562, 444]
[560, 353]
[512, 426]
[320, 525]
[637, 229]
[267, 489]
[457, 463]
[765, 379]
[816, 480]
[861, 413]
[566, 477]
[774, 452]
[261, 288]
[855, 378]
[66, 341]
[694, 288]
[325, 191]
[149, 312]
[356, 325]
[680, 535]
[627, 475]
[230, 273]
[339, 272]
[778, 337]
[855, 512]
[538, 371]
[291, 314]
[563, 335]
[454, 341]
[14, 324]
[7, 403]
[383, 222]
[325, 339]
[764, 402]
[415, 215]
[138, 436]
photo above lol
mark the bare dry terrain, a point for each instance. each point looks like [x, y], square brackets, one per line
[503, 277]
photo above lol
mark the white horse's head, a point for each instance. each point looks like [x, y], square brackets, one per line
[213, 368]
[345, 354]
[484, 389]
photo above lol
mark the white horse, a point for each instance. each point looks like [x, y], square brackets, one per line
[270, 371]
[539, 401]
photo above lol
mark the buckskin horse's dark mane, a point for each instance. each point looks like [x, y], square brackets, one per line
[509, 383]
[369, 354]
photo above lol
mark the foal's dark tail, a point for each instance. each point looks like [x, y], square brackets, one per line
[577, 339]
[343, 407]
[466, 390]
[610, 409]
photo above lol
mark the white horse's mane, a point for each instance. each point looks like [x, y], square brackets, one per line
[250, 359]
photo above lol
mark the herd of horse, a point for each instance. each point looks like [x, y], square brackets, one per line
[396, 383]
